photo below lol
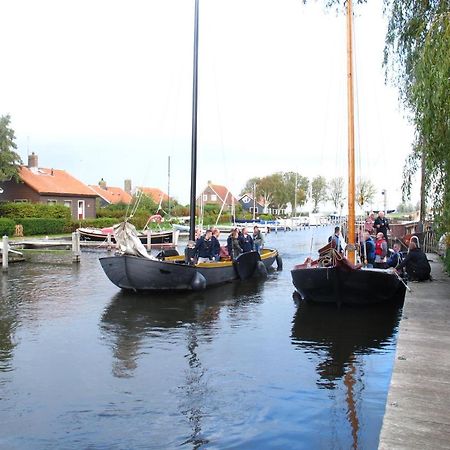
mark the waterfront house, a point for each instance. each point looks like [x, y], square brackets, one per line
[216, 194]
[156, 194]
[249, 204]
[50, 186]
[110, 195]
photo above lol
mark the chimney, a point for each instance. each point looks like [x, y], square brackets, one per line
[127, 186]
[33, 162]
[102, 183]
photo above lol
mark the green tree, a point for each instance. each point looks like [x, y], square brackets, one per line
[417, 57]
[9, 159]
[318, 192]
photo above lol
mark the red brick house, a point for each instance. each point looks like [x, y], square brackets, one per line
[50, 186]
[216, 194]
[110, 195]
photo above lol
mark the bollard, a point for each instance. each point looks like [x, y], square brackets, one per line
[149, 240]
[5, 254]
[108, 240]
[76, 253]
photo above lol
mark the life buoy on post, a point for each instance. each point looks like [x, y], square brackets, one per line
[155, 218]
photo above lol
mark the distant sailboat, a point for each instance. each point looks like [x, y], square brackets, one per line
[134, 269]
[334, 278]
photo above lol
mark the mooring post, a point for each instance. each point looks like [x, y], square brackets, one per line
[5, 253]
[149, 239]
[108, 240]
[76, 252]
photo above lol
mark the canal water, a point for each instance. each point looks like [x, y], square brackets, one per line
[86, 366]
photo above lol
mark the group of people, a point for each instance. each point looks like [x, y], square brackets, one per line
[207, 248]
[375, 252]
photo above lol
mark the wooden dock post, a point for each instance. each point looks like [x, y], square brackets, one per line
[5, 253]
[108, 240]
[149, 239]
[76, 250]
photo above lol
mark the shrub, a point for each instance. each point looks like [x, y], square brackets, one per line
[7, 227]
[447, 261]
[33, 226]
[37, 210]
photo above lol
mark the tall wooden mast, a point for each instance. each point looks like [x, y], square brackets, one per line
[351, 136]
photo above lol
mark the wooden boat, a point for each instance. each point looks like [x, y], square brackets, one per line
[160, 238]
[334, 278]
[133, 269]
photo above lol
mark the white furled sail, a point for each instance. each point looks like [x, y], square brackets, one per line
[128, 242]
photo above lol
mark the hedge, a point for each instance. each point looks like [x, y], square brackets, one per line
[34, 210]
[7, 227]
[33, 226]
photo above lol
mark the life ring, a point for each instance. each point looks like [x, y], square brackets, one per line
[155, 218]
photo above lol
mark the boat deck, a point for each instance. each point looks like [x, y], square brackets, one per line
[418, 405]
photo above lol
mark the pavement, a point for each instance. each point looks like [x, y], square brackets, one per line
[418, 406]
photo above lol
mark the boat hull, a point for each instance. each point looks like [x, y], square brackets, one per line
[340, 286]
[157, 238]
[141, 274]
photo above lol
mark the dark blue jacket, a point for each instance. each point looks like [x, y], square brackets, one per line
[246, 243]
[369, 251]
[205, 248]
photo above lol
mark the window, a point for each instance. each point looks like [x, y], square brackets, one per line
[205, 197]
[21, 200]
[51, 202]
[213, 197]
[68, 203]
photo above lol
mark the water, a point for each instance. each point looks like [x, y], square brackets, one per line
[83, 365]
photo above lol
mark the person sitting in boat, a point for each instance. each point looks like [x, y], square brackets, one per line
[246, 241]
[258, 239]
[396, 258]
[233, 245]
[381, 249]
[368, 249]
[415, 263]
[335, 240]
[204, 247]
[381, 224]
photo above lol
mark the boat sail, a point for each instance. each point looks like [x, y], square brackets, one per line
[334, 278]
[132, 268]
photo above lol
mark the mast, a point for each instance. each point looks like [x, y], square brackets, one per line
[194, 129]
[351, 136]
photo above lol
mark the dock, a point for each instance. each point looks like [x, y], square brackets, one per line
[418, 406]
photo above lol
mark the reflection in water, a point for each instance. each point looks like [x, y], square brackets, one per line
[130, 318]
[336, 337]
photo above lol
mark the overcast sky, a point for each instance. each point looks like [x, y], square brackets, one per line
[103, 89]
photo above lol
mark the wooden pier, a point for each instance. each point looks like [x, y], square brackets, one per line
[418, 406]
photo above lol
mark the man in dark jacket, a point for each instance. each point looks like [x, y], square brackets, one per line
[246, 241]
[204, 247]
[416, 264]
[381, 225]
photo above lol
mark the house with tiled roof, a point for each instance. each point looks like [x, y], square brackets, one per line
[156, 194]
[50, 186]
[216, 194]
[251, 205]
[110, 195]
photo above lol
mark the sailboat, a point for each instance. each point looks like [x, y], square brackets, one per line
[132, 268]
[333, 278]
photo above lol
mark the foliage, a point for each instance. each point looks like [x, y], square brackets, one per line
[36, 210]
[7, 227]
[365, 192]
[336, 192]
[37, 226]
[417, 55]
[279, 188]
[405, 207]
[318, 192]
[9, 159]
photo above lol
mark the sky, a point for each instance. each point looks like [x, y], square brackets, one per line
[103, 89]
